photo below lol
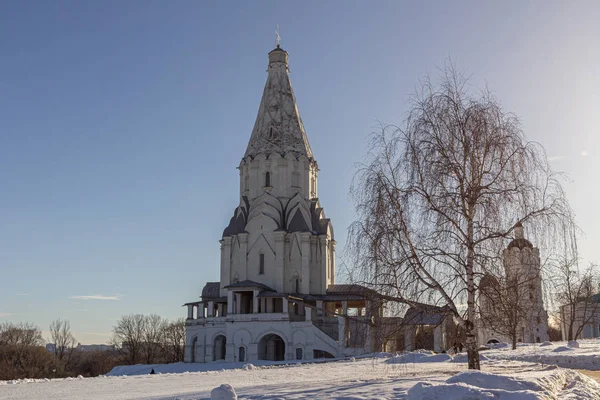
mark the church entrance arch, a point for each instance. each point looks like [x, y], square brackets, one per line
[220, 347]
[271, 347]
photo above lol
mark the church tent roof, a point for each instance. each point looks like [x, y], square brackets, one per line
[278, 127]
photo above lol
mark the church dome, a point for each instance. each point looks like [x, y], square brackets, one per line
[520, 243]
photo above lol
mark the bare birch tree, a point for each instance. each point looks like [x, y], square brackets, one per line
[436, 199]
[63, 339]
[174, 340]
[128, 337]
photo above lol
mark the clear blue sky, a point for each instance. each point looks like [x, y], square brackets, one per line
[122, 123]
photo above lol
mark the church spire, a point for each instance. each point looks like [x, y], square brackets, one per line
[278, 127]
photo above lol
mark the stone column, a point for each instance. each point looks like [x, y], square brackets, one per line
[255, 302]
[324, 264]
[230, 352]
[285, 305]
[344, 308]
[409, 337]
[200, 313]
[279, 260]
[225, 263]
[308, 313]
[243, 266]
[438, 338]
[319, 307]
[342, 331]
[229, 302]
[211, 309]
[238, 303]
[190, 308]
[305, 245]
[332, 260]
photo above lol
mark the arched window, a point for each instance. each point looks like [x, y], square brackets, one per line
[268, 179]
[299, 353]
[242, 354]
[297, 285]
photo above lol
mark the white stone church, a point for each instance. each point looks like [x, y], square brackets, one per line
[277, 298]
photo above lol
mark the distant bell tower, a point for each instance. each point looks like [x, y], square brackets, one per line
[522, 263]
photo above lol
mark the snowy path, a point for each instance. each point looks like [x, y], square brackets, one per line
[362, 379]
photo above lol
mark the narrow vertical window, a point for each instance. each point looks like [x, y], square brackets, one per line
[268, 179]
[295, 179]
[261, 266]
[297, 286]
[246, 182]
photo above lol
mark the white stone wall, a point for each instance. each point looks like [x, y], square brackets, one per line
[282, 170]
[248, 334]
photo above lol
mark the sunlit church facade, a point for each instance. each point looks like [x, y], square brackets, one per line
[277, 298]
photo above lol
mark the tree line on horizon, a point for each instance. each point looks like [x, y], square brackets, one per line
[136, 339]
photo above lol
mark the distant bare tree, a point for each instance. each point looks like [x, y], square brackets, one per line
[153, 333]
[21, 352]
[128, 337]
[63, 339]
[21, 334]
[575, 294]
[140, 338]
[174, 340]
[437, 199]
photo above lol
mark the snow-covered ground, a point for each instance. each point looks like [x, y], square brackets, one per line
[367, 378]
[585, 354]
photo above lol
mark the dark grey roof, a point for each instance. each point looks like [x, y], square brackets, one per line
[211, 290]
[425, 314]
[248, 284]
[329, 297]
[353, 289]
[193, 303]
[237, 224]
[298, 224]
[267, 293]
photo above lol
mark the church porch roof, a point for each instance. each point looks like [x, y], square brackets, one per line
[248, 284]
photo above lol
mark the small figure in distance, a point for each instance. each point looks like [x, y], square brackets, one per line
[152, 372]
